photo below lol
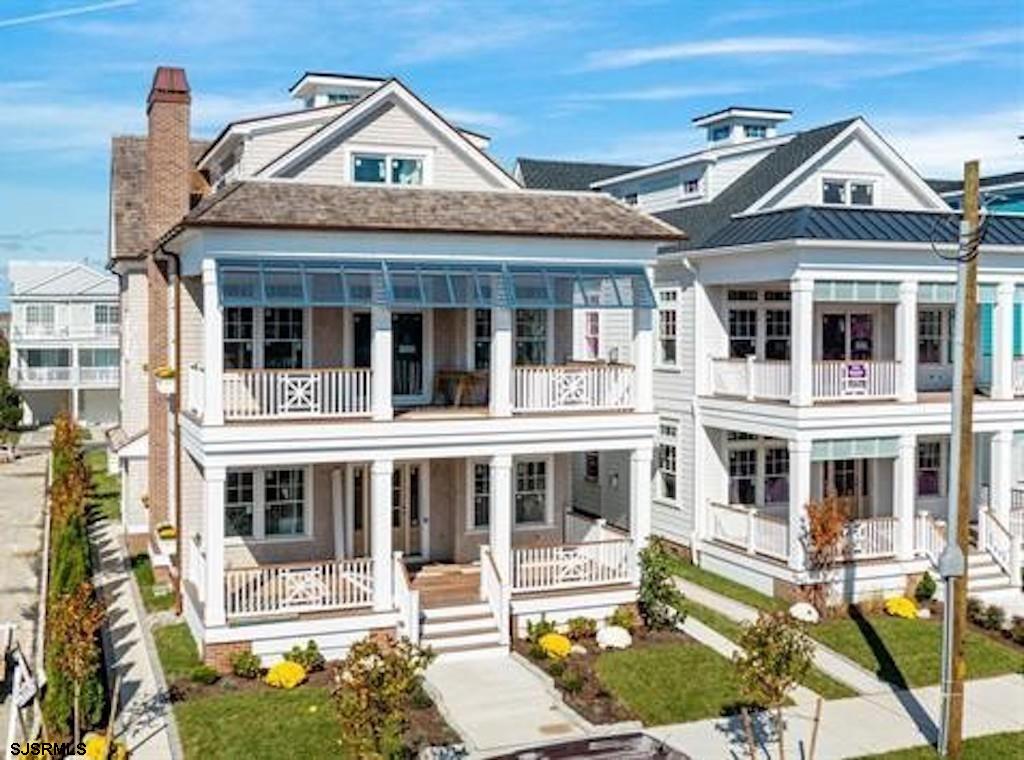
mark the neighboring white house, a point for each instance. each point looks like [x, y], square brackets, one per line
[804, 347]
[64, 341]
[381, 394]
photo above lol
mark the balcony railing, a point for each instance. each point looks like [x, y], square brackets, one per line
[832, 380]
[869, 538]
[839, 380]
[929, 536]
[301, 587]
[572, 388]
[40, 376]
[296, 393]
[568, 566]
[99, 375]
[104, 330]
[750, 529]
[752, 379]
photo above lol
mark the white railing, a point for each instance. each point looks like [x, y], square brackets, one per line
[550, 568]
[494, 592]
[752, 379]
[750, 529]
[929, 536]
[572, 387]
[407, 600]
[300, 587]
[581, 529]
[45, 330]
[270, 394]
[854, 379]
[43, 375]
[870, 537]
[1018, 377]
[996, 539]
[99, 375]
[196, 395]
[1017, 523]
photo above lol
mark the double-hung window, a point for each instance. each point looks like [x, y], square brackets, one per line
[847, 192]
[481, 339]
[531, 337]
[481, 513]
[776, 476]
[239, 504]
[106, 318]
[239, 338]
[742, 333]
[266, 503]
[282, 338]
[668, 327]
[591, 335]
[531, 494]
[776, 334]
[668, 436]
[929, 468]
[743, 476]
[263, 338]
[387, 169]
[40, 318]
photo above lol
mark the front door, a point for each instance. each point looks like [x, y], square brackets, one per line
[849, 479]
[847, 336]
[406, 508]
[407, 368]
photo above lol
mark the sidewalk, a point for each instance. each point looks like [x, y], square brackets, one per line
[860, 725]
[144, 721]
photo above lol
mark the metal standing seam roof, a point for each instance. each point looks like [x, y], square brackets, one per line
[866, 224]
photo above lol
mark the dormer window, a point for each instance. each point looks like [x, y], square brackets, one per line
[755, 131]
[691, 187]
[333, 98]
[720, 133]
[630, 198]
[386, 169]
[845, 192]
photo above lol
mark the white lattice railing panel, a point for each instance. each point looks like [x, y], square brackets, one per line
[566, 566]
[571, 387]
[271, 394]
[854, 379]
[304, 587]
[870, 537]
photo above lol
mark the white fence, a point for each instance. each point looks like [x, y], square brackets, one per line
[494, 592]
[870, 537]
[98, 375]
[572, 387]
[999, 542]
[854, 379]
[270, 394]
[407, 600]
[580, 529]
[566, 566]
[300, 587]
[752, 379]
[929, 536]
[751, 530]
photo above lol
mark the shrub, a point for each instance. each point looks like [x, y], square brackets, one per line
[901, 607]
[659, 599]
[309, 658]
[204, 674]
[582, 628]
[555, 645]
[623, 617]
[975, 610]
[245, 665]
[571, 681]
[285, 675]
[556, 668]
[994, 618]
[1017, 629]
[536, 651]
[534, 631]
[925, 588]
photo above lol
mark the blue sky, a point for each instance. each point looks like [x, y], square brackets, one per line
[613, 81]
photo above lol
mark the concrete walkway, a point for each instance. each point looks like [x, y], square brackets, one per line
[145, 721]
[858, 726]
[829, 662]
[496, 703]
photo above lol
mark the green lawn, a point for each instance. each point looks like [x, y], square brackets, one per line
[906, 652]
[177, 650]
[995, 747]
[151, 598]
[671, 683]
[106, 488]
[726, 587]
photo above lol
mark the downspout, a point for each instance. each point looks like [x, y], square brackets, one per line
[178, 606]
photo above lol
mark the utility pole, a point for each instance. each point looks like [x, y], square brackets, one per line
[952, 563]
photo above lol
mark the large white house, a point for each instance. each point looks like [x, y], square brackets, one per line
[64, 341]
[379, 395]
[804, 348]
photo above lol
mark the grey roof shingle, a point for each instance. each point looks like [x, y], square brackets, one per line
[701, 221]
[541, 174]
[867, 224]
[295, 205]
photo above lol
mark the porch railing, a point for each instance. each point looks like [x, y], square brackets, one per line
[996, 539]
[929, 536]
[99, 375]
[837, 380]
[580, 528]
[572, 387]
[566, 566]
[494, 592]
[870, 537]
[42, 375]
[750, 529]
[407, 600]
[296, 393]
[1018, 377]
[196, 392]
[752, 379]
[300, 587]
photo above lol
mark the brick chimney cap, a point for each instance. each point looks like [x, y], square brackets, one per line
[170, 85]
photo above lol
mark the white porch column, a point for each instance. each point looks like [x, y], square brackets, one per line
[380, 363]
[801, 355]
[1001, 480]
[906, 343]
[75, 402]
[213, 544]
[643, 359]
[640, 499]
[500, 375]
[799, 496]
[500, 531]
[1002, 342]
[380, 530]
[213, 347]
[350, 510]
[338, 513]
[904, 495]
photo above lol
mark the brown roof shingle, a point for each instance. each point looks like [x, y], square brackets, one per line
[344, 207]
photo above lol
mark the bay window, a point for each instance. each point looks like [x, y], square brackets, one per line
[267, 503]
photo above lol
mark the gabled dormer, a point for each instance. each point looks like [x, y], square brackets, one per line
[738, 124]
[317, 89]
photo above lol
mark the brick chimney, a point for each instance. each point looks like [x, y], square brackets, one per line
[168, 182]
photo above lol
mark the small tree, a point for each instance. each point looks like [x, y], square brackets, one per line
[775, 656]
[659, 599]
[374, 688]
[824, 540]
[75, 621]
[10, 400]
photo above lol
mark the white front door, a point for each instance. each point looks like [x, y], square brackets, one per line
[407, 512]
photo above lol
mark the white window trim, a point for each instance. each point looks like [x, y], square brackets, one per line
[676, 300]
[759, 446]
[662, 439]
[258, 334]
[471, 529]
[422, 152]
[549, 337]
[943, 468]
[549, 493]
[580, 350]
[846, 179]
[259, 508]
[470, 347]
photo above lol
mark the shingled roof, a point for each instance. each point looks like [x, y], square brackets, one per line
[128, 193]
[541, 174]
[295, 205]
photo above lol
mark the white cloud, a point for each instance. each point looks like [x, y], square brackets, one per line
[79, 10]
[937, 145]
[471, 117]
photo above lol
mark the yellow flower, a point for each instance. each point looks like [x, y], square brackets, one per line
[285, 675]
[556, 645]
[96, 745]
[901, 607]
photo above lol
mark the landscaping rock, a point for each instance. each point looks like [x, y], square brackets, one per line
[924, 613]
[614, 637]
[805, 613]
[578, 649]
